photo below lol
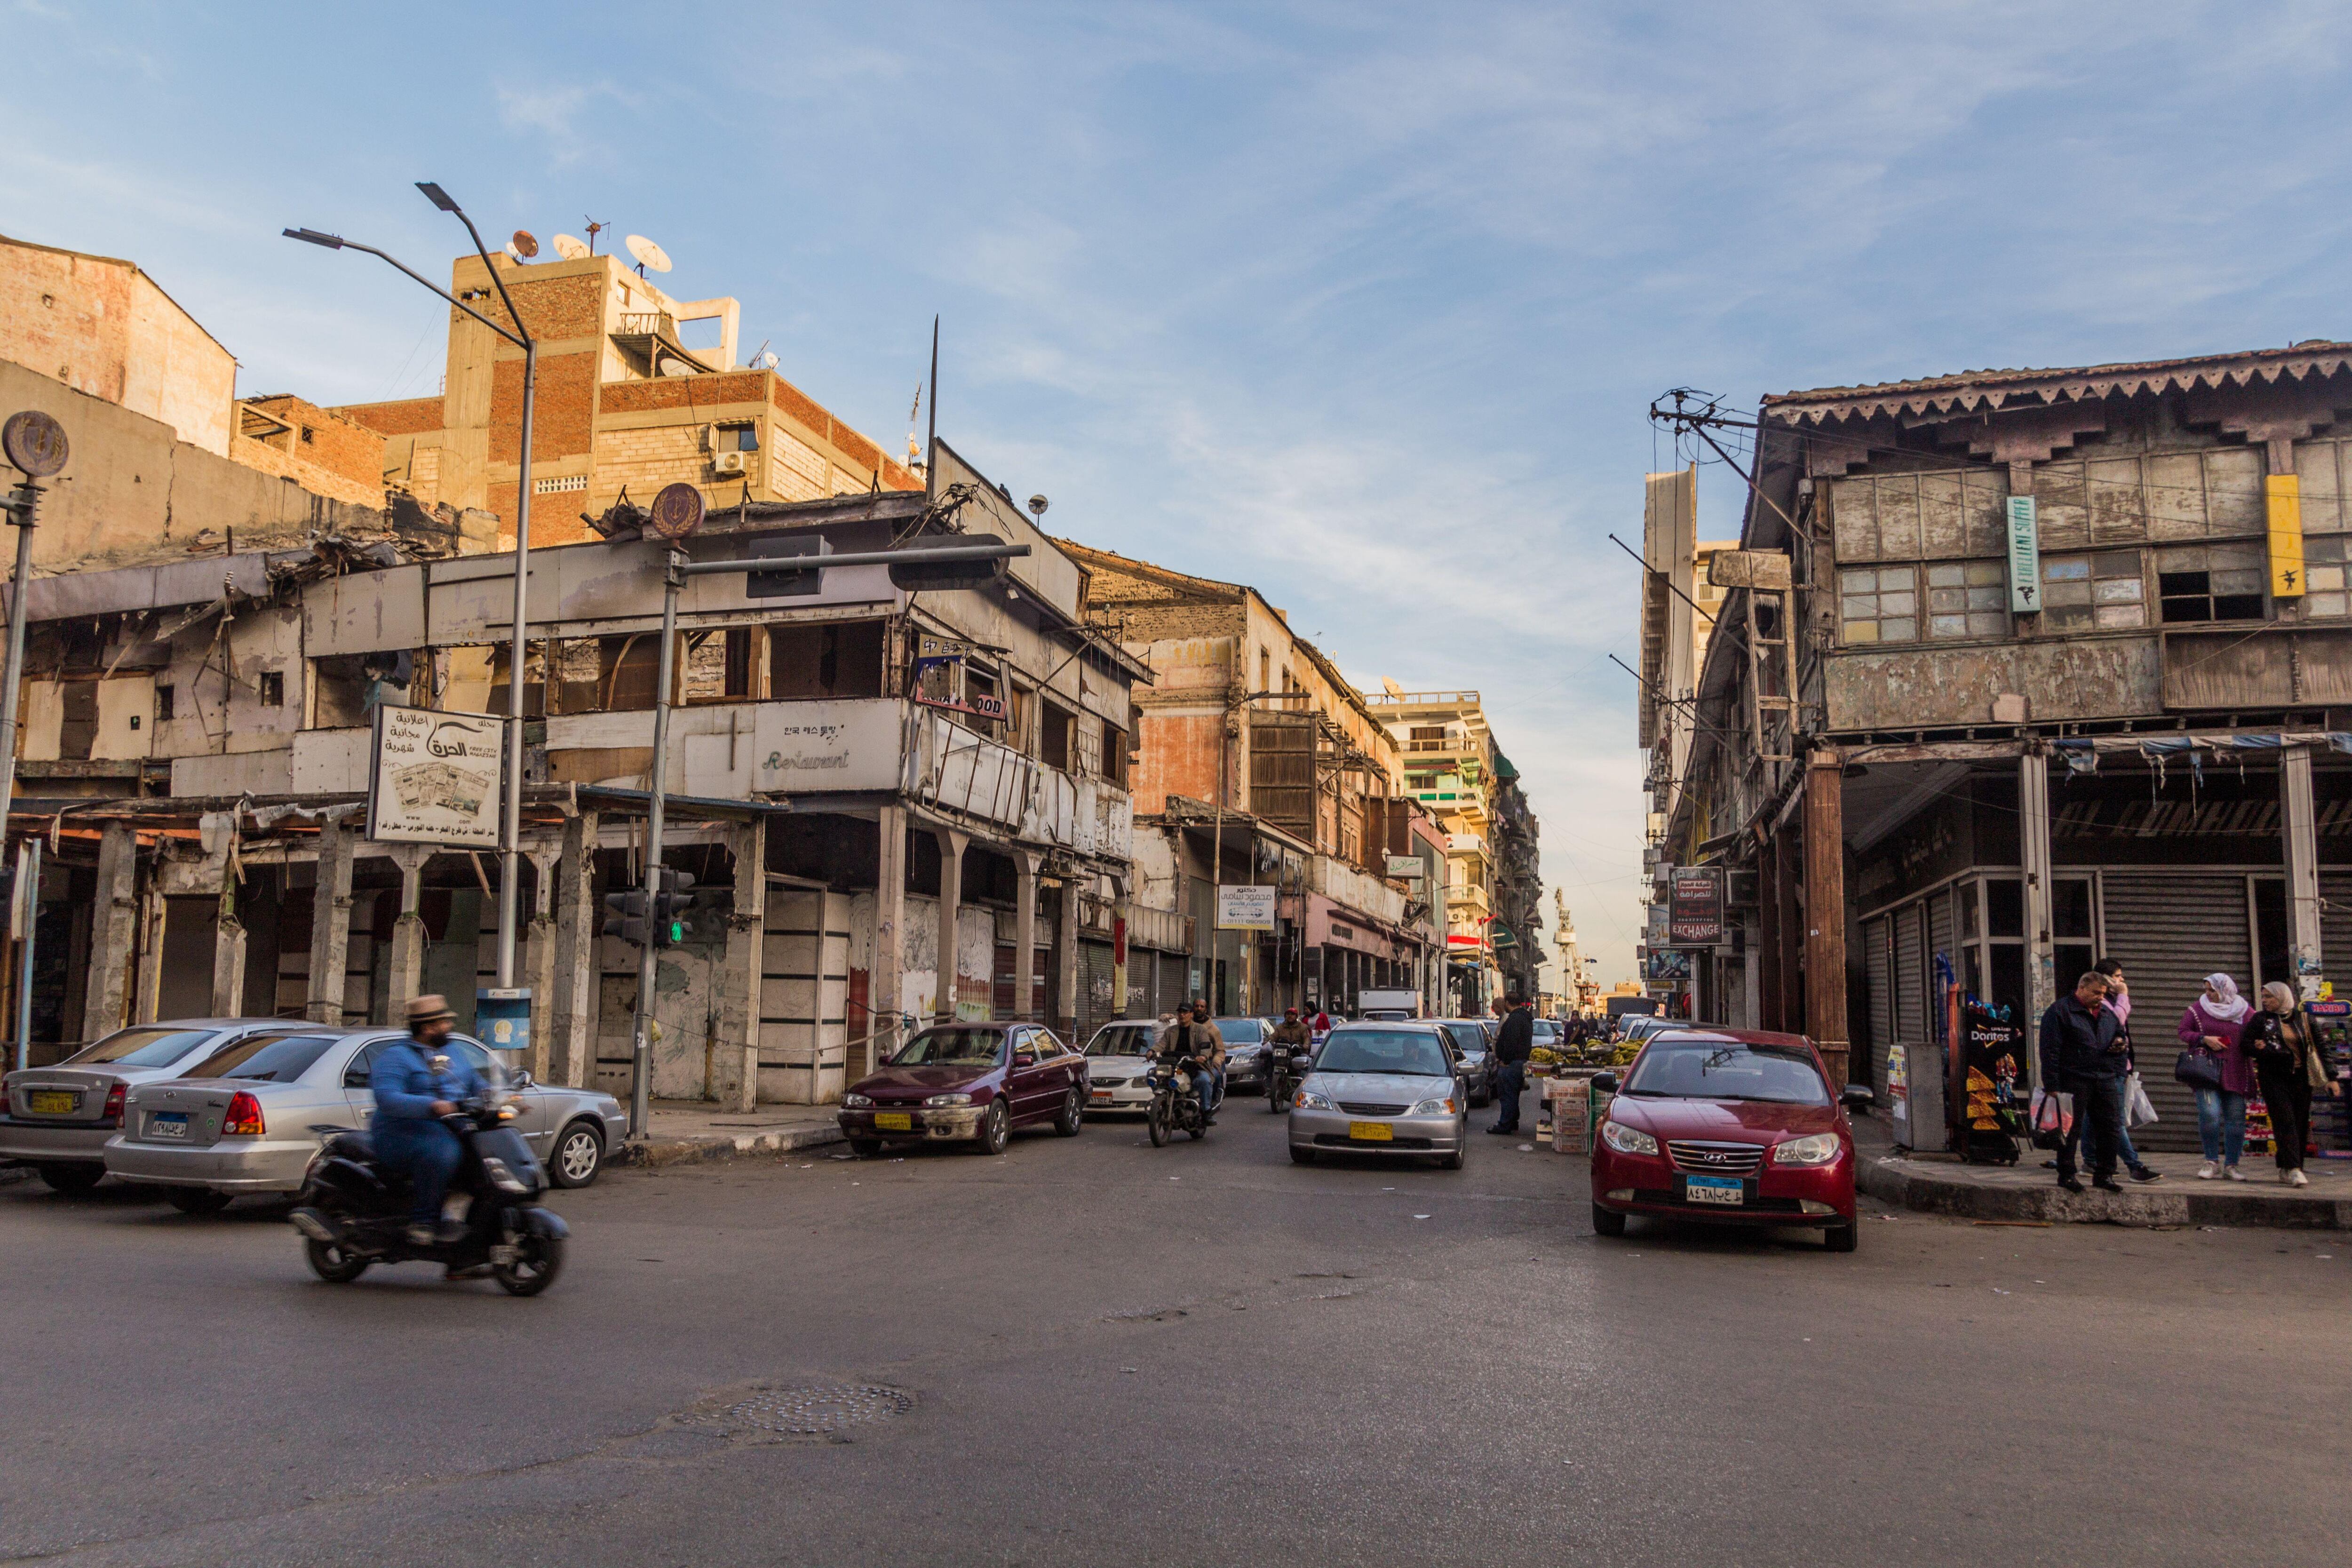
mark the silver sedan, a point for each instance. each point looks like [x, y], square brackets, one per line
[1383, 1088]
[241, 1120]
[58, 1118]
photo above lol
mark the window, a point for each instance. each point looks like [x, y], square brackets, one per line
[2210, 583]
[2080, 592]
[1880, 604]
[1265, 670]
[738, 438]
[166, 696]
[2323, 572]
[1053, 737]
[271, 688]
[1114, 755]
[1967, 599]
[719, 664]
[278, 1059]
[1090, 747]
[828, 658]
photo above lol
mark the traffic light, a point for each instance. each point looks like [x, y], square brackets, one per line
[917, 575]
[626, 915]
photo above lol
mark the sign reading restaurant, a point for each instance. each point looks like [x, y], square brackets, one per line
[433, 778]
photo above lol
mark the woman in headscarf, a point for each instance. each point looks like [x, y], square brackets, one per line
[2213, 1025]
[2289, 1064]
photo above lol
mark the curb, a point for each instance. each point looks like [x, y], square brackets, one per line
[1894, 1180]
[657, 1152]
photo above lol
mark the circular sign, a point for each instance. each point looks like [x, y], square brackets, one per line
[35, 443]
[677, 510]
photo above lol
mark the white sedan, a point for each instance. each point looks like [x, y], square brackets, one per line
[1118, 1059]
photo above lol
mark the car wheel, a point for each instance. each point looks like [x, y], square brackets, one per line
[995, 1128]
[865, 1148]
[1607, 1222]
[71, 1179]
[332, 1262]
[1461, 1139]
[1841, 1237]
[1301, 1156]
[1073, 1116]
[579, 1156]
[196, 1200]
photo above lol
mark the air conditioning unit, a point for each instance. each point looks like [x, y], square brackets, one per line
[731, 462]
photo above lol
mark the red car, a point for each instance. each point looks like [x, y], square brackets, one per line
[1731, 1126]
[969, 1083]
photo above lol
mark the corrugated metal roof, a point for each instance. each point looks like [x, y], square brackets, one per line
[1979, 390]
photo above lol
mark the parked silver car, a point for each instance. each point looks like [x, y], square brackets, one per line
[1118, 1059]
[1383, 1088]
[58, 1118]
[240, 1121]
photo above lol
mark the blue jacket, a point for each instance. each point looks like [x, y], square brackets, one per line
[2079, 1042]
[405, 1087]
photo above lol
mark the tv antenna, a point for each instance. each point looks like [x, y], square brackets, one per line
[569, 247]
[523, 245]
[595, 228]
[647, 253]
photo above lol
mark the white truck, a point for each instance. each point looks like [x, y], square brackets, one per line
[1385, 1005]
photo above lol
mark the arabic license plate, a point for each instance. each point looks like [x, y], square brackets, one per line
[893, 1122]
[1102, 1097]
[167, 1124]
[51, 1101]
[1371, 1131]
[1715, 1189]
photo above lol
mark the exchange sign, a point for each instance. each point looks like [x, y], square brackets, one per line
[1695, 918]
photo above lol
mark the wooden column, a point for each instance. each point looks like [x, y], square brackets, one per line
[2299, 821]
[571, 1043]
[113, 929]
[884, 983]
[1025, 933]
[951, 848]
[1825, 910]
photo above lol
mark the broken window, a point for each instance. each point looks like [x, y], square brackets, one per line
[271, 688]
[719, 664]
[165, 697]
[534, 680]
[1053, 737]
[2210, 583]
[2084, 593]
[1090, 747]
[826, 658]
[628, 672]
[1114, 755]
[578, 674]
[344, 687]
[464, 680]
[1967, 599]
[1880, 604]
[2325, 575]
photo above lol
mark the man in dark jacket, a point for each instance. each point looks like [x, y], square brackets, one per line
[2083, 1055]
[1511, 1049]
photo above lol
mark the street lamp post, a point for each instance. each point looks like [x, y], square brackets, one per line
[511, 828]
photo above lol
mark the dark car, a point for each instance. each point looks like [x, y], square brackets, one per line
[1244, 1052]
[969, 1083]
[1730, 1126]
[1476, 1048]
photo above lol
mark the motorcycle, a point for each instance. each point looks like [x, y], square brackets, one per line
[1174, 1107]
[353, 1214]
[1286, 1067]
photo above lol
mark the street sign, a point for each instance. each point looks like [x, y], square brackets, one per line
[2024, 557]
[1245, 908]
[929, 647]
[677, 511]
[35, 442]
[433, 778]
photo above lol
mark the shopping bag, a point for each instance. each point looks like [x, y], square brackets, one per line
[2053, 1119]
[2139, 1110]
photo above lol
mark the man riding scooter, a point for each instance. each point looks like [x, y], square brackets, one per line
[1193, 1036]
[416, 1083]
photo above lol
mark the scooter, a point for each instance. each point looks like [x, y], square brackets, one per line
[353, 1214]
[1175, 1108]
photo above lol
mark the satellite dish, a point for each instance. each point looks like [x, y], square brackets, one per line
[524, 243]
[571, 247]
[674, 367]
[650, 257]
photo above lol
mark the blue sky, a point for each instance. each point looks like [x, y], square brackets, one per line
[1360, 304]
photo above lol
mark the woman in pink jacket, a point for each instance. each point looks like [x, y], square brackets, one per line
[2213, 1023]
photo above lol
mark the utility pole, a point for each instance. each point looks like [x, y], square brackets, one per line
[641, 1032]
[36, 443]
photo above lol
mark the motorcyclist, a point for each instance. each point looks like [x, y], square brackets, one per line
[1292, 1034]
[1193, 1036]
[416, 1083]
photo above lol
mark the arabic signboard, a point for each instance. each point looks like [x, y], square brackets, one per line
[1245, 908]
[1696, 917]
[2024, 558]
[1407, 867]
[944, 647]
[433, 778]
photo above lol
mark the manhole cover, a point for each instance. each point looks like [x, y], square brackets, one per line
[813, 1412]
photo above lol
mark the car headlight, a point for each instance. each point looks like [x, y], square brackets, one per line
[1308, 1099]
[857, 1101]
[1820, 1149]
[1441, 1106]
[948, 1100]
[1627, 1139]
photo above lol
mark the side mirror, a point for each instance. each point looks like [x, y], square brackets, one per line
[1606, 1082]
[522, 1078]
[1857, 1096]
[1025, 1059]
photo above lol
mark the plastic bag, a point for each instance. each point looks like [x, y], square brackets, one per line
[2053, 1119]
[2139, 1110]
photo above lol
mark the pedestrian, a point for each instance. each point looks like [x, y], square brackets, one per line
[2289, 1064]
[1516, 1038]
[2083, 1055]
[2213, 1025]
[2118, 1001]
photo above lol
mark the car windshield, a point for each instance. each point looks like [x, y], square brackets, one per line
[157, 1046]
[1241, 1031]
[1727, 1070]
[1408, 1052]
[275, 1058]
[952, 1047]
[1468, 1038]
[1124, 1040]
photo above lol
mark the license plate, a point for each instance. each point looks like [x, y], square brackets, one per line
[167, 1124]
[1715, 1189]
[1102, 1097]
[893, 1122]
[1371, 1131]
[52, 1101]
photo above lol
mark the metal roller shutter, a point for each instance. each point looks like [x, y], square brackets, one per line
[1940, 939]
[1910, 975]
[2171, 929]
[1097, 1006]
[1878, 964]
[2335, 927]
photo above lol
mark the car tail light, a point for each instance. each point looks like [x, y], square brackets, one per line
[113, 1111]
[244, 1117]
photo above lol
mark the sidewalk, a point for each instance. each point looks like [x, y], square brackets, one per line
[1940, 1184]
[681, 1130]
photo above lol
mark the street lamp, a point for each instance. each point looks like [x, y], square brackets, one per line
[511, 828]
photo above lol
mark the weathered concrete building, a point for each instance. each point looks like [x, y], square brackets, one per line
[2018, 669]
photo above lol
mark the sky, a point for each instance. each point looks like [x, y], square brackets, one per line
[1360, 304]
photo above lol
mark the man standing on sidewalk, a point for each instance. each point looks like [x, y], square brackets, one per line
[1511, 1049]
[2083, 1055]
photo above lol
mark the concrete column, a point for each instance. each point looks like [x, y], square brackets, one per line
[951, 848]
[735, 1055]
[331, 924]
[538, 951]
[1119, 954]
[404, 968]
[1024, 934]
[1768, 934]
[153, 908]
[1065, 982]
[883, 982]
[1825, 910]
[228, 930]
[571, 1031]
[2042, 983]
[2299, 820]
[113, 929]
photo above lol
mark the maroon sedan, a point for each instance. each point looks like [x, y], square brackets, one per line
[969, 1083]
[1728, 1126]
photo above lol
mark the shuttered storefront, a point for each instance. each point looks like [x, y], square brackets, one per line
[2171, 929]
[1910, 975]
[1097, 1003]
[1878, 965]
[1940, 939]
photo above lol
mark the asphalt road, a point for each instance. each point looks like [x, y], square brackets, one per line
[1200, 1355]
